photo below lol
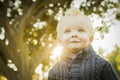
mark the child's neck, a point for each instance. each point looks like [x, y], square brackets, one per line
[72, 54]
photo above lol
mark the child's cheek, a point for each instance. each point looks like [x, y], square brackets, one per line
[85, 40]
[65, 40]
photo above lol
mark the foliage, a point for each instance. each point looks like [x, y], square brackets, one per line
[114, 58]
[27, 31]
[105, 9]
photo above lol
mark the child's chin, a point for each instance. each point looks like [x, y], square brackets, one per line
[75, 47]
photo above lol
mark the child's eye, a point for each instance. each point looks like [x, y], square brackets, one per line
[66, 31]
[80, 30]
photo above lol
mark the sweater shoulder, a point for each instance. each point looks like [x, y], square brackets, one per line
[100, 61]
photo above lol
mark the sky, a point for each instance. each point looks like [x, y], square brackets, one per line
[110, 39]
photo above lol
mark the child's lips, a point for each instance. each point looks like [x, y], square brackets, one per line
[75, 41]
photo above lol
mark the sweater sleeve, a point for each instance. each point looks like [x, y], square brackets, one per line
[108, 73]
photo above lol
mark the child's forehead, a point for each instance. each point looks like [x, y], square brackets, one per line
[74, 21]
[71, 27]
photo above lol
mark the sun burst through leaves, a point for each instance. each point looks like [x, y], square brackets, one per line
[56, 52]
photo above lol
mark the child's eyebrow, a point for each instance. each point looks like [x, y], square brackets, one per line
[69, 27]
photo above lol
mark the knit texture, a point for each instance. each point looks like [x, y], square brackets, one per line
[86, 66]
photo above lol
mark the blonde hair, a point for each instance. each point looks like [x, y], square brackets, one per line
[74, 12]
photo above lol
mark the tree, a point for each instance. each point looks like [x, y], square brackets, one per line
[18, 21]
[28, 33]
[114, 58]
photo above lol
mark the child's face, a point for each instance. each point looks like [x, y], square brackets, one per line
[74, 33]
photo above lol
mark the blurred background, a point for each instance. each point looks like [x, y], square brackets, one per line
[28, 45]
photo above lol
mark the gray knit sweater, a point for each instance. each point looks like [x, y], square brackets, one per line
[86, 66]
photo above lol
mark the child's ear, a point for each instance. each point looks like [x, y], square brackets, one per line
[91, 38]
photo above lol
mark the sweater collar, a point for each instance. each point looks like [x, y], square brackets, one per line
[85, 54]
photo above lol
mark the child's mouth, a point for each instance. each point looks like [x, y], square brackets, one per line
[74, 41]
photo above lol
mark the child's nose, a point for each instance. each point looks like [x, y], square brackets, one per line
[74, 36]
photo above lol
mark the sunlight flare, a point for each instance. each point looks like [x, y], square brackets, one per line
[56, 52]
